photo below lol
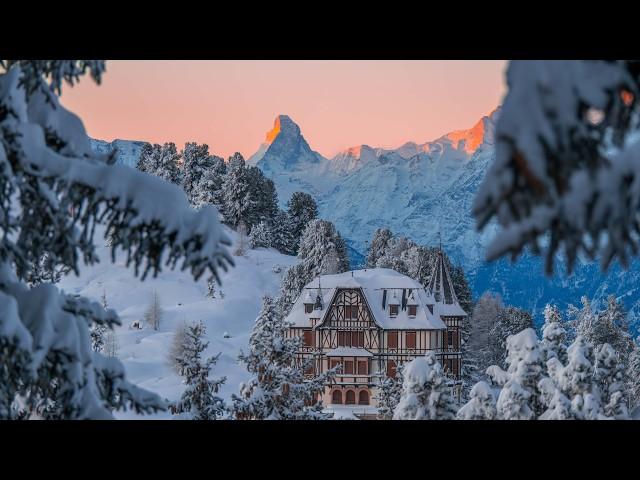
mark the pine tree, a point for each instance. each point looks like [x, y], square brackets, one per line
[264, 198]
[261, 236]
[389, 393]
[208, 189]
[322, 251]
[162, 161]
[610, 377]
[520, 398]
[633, 377]
[563, 162]
[98, 334]
[176, 357]
[54, 191]
[195, 161]
[301, 209]
[511, 320]
[282, 235]
[481, 404]
[483, 318]
[378, 246]
[553, 335]
[199, 400]
[278, 389]
[236, 193]
[153, 314]
[425, 393]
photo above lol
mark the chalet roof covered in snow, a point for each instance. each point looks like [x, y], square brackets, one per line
[376, 284]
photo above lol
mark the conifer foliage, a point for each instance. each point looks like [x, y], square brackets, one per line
[425, 392]
[54, 190]
[199, 400]
[322, 252]
[278, 389]
[566, 164]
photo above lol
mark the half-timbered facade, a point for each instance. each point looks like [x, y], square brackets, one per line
[369, 322]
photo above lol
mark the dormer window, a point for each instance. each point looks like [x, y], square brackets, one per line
[413, 309]
[393, 310]
[308, 307]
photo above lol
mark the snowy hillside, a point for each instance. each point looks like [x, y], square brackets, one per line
[128, 151]
[144, 352]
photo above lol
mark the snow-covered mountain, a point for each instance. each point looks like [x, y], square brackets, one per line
[416, 190]
[128, 151]
[425, 191]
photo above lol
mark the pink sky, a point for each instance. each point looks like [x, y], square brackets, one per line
[230, 105]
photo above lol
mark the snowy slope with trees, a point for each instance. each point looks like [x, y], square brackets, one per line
[231, 314]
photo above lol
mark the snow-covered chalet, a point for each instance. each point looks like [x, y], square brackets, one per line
[370, 322]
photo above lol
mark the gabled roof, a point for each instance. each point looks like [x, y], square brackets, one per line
[372, 282]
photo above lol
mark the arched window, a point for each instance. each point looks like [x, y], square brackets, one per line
[336, 397]
[351, 397]
[363, 397]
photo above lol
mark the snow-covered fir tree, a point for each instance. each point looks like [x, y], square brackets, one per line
[519, 398]
[481, 404]
[261, 236]
[633, 377]
[483, 318]
[389, 394]
[176, 357]
[322, 251]
[99, 331]
[282, 235]
[469, 371]
[247, 195]
[565, 158]
[55, 189]
[264, 198]
[553, 334]
[199, 400]
[510, 321]
[278, 389]
[162, 161]
[208, 189]
[378, 246]
[610, 378]
[425, 392]
[195, 162]
[153, 314]
[301, 209]
[236, 192]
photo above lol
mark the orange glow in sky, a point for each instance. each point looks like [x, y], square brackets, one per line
[231, 105]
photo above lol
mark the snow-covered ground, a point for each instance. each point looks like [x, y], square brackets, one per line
[144, 352]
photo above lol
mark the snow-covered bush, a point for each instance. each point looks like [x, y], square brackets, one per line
[54, 191]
